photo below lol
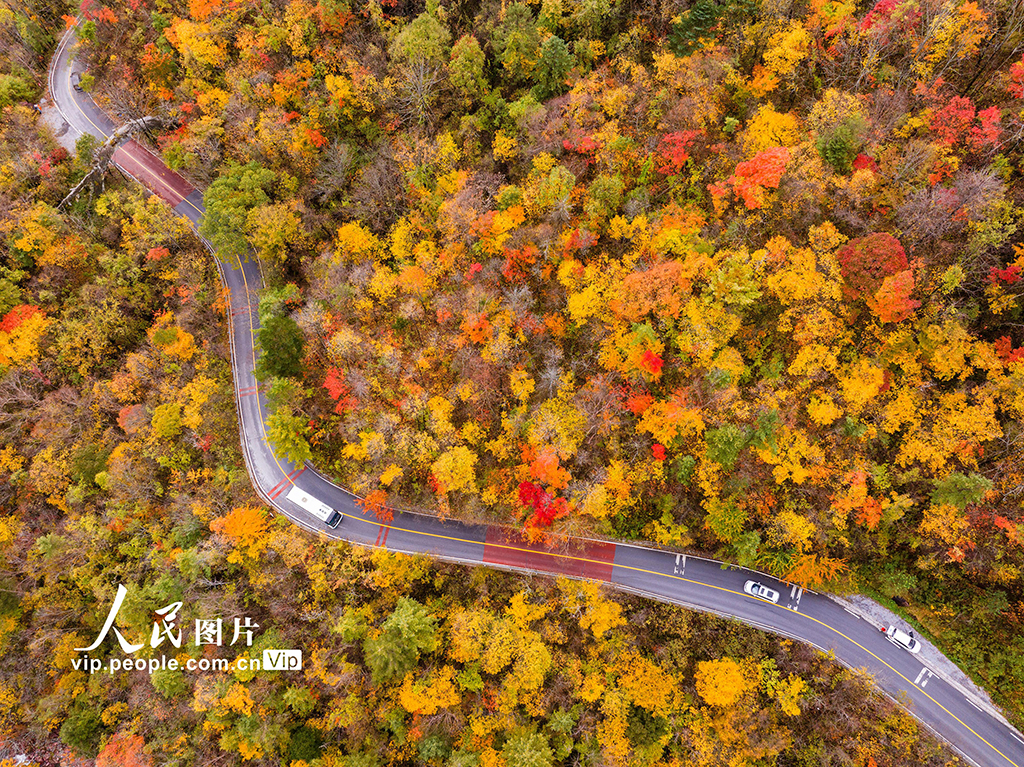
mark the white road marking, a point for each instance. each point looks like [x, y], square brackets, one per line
[794, 594]
[252, 468]
[978, 707]
[851, 612]
[1015, 736]
[923, 677]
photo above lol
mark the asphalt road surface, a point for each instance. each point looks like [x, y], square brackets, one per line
[689, 581]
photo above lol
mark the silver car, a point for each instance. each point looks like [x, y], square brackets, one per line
[755, 589]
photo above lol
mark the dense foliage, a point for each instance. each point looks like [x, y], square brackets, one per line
[120, 464]
[741, 276]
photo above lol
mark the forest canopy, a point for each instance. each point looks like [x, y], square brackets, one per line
[736, 276]
[732, 276]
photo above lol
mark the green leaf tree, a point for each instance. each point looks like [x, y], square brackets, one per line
[424, 40]
[287, 434]
[527, 748]
[229, 200]
[409, 630]
[555, 63]
[517, 42]
[282, 343]
[466, 70]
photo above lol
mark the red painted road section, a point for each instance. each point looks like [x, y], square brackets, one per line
[586, 559]
[280, 487]
[151, 172]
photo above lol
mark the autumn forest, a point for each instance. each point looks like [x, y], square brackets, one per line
[740, 278]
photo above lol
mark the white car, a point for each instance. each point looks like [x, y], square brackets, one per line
[755, 589]
[903, 639]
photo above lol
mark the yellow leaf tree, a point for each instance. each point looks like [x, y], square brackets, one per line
[722, 682]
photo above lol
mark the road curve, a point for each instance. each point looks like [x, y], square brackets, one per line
[689, 581]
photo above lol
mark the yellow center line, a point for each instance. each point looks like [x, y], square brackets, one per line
[106, 135]
[710, 586]
[259, 405]
[551, 553]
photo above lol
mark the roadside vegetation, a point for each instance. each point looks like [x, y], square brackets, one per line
[740, 277]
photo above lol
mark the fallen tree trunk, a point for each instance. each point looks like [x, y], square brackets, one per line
[105, 153]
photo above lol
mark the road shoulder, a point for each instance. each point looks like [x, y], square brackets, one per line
[931, 656]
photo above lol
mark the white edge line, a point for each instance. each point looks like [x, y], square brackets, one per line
[474, 563]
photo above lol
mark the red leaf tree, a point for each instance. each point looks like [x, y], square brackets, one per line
[763, 171]
[892, 301]
[867, 261]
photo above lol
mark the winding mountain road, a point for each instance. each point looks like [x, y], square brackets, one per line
[689, 581]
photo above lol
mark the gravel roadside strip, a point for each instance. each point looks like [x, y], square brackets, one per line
[880, 616]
